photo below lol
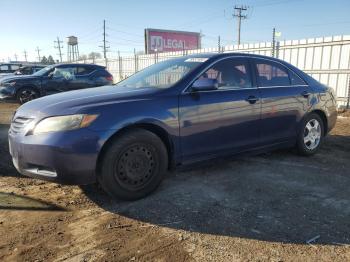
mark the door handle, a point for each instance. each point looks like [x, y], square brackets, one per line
[252, 99]
[305, 94]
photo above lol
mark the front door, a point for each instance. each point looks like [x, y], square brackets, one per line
[223, 120]
[60, 80]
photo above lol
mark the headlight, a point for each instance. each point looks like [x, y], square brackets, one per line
[62, 123]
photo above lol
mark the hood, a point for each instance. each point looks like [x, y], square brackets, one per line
[78, 101]
[9, 78]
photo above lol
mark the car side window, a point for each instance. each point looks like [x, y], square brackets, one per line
[64, 72]
[36, 69]
[4, 68]
[25, 70]
[295, 79]
[271, 74]
[81, 70]
[15, 67]
[230, 73]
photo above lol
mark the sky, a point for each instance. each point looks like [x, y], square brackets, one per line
[28, 24]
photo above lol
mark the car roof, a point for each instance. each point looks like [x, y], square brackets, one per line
[213, 56]
[229, 54]
[10, 64]
[78, 64]
[33, 65]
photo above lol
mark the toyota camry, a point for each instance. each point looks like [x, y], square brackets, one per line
[184, 110]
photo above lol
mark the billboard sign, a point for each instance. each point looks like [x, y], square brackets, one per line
[157, 40]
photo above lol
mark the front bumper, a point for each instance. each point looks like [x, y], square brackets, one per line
[63, 157]
[7, 93]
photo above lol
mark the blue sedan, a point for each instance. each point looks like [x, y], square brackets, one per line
[176, 112]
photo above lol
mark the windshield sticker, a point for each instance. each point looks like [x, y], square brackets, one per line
[196, 59]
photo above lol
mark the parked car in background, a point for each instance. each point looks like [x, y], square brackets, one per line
[53, 79]
[29, 69]
[176, 112]
[24, 70]
[9, 68]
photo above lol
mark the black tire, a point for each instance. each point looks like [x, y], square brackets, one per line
[134, 165]
[310, 148]
[27, 94]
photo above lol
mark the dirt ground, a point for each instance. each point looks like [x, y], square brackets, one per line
[257, 208]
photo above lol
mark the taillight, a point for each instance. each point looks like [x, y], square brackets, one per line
[109, 78]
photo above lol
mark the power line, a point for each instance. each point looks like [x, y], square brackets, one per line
[277, 2]
[123, 32]
[238, 13]
[59, 46]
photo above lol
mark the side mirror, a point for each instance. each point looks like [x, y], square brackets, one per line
[205, 84]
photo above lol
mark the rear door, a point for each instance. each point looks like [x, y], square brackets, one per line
[223, 120]
[82, 77]
[284, 100]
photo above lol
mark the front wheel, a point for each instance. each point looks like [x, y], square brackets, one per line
[133, 165]
[25, 95]
[310, 135]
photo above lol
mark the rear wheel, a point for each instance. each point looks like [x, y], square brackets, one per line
[310, 135]
[134, 165]
[25, 95]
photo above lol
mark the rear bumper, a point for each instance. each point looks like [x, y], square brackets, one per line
[62, 157]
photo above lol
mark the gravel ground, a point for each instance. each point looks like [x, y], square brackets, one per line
[257, 208]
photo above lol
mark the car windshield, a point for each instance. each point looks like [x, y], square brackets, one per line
[163, 74]
[43, 71]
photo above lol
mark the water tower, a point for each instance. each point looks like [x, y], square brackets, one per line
[73, 50]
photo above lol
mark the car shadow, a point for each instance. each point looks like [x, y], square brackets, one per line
[278, 197]
[10, 201]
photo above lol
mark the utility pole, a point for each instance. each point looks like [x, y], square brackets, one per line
[120, 65]
[348, 100]
[25, 55]
[273, 42]
[59, 46]
[16, 57]
[219, 44]
[38, 51]
[104, 39]
[135, 61]
[240, 16]
[104, 47]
